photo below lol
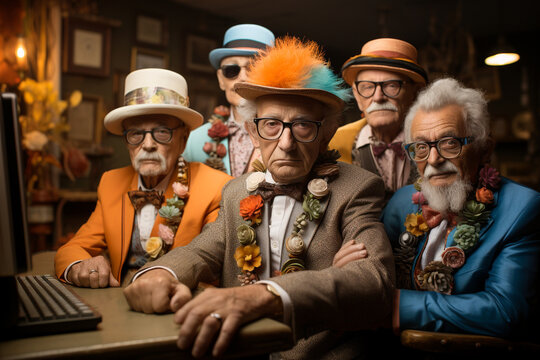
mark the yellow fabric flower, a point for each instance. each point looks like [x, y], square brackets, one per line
[248, 257]
[153, 246]
[415, 224]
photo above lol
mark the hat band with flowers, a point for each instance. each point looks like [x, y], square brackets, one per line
[154, 95]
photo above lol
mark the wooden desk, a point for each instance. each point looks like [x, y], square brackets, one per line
[127, 334]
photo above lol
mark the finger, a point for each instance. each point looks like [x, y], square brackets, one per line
[103, 276]
[131, 297]
[73, 276]
[357, 255]
[189, 329]
[180, 297]
[161, 299]
[93, 279]
[83, 276]
[361, 246]
[228, 330]
[112, 280]
[206, 335]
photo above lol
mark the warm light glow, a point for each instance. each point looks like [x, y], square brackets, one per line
[21, 52]
[502, 59]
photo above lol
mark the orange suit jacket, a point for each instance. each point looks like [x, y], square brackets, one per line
[110, 225]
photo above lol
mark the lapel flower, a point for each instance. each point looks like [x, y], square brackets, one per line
[418, 198]
[453, 257]
[415, 224]
[246, 234]
[166, 234]
[218, 130]
[484, 195]
[253, 180]
[318, 188]
[311, 206]
[248, 257]
[251, 207]
[475, 212]
[466, 236]
[406, 239]
[154, 246]
[222, 111]
[489, 177]
[180, 190]
[436, 277]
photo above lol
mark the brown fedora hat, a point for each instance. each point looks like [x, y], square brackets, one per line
[385, 54]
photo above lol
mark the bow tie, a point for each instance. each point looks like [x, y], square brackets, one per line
[380, 148]
[268, 191]
[139, 198]
[433, 217]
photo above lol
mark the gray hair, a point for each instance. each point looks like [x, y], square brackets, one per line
[448, 91]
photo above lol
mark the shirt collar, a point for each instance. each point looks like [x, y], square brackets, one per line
[366, 137]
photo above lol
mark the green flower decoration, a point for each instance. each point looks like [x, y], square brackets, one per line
[245, 234]
[169, 212]
[176, 202]
[466, 236]
[474, 213]
[312, 207]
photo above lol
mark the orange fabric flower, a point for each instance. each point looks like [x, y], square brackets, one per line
[218, 130]
[415, 224]
[222, 110]
[248, 257]
[251, 207]
[484, 195]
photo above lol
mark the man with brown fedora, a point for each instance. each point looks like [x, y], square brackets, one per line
[158, 203]
[278, 228]
[385, 79]
[223, 142]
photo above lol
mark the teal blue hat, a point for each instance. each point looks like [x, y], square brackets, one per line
[242, 40]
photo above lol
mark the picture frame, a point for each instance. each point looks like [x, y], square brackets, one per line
[86, 47]
[85, 121]
[142, 58]
[197, 50]
[151, 30]
[119, 81]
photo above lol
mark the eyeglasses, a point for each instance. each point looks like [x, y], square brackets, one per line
[231, 71]
[448, 147]
[390, 88]
[160, 134]
[303, 131]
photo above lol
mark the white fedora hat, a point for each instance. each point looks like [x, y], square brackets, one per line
[153, 91]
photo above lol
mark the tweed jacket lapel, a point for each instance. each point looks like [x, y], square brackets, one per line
[263, 238]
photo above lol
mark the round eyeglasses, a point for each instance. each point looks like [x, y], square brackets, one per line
[160, 134]
[303, 131]
[231, 71]
[390, 88]
[448, 147]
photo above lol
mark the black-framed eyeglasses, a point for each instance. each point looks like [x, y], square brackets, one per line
[390, 88]
[160, 134]
[231, 71]
[303, 131]
[448, 147]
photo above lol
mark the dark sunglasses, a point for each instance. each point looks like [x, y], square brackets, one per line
[231, 71]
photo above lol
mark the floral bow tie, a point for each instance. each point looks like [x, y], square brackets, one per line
[268, 191]
[433, 217]
[379, 149]
[139, 198]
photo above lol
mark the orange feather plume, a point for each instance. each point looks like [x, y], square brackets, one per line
[287, 65]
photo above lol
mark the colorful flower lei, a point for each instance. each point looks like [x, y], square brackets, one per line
[248, 254]
[218, 131]
[437, 275]
[172, 214]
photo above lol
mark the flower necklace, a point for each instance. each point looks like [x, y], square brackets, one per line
[217, 132]
[437, 275]
[248, 254]
[172, 213]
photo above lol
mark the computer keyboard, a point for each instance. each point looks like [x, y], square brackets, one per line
[46, 307]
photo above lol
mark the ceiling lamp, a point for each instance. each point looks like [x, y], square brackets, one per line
[503, 54]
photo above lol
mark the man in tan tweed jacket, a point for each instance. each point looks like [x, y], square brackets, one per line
[279, 228]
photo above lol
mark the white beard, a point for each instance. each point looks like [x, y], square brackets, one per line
[444, 199]
[144, 155]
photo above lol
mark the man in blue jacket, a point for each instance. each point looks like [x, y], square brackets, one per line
[466, 241]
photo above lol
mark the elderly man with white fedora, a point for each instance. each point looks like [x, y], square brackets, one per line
[223, 142]
[159, 202]
[385, 79]
[273, 243]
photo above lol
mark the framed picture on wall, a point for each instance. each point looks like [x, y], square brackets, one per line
[146, 58]
[197, 51]
[86, 47]
[119, 81]
[151, 31]
[85, 120]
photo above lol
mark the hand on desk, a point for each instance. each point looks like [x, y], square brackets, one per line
[94, 272]
[158, 291]
[349, 252]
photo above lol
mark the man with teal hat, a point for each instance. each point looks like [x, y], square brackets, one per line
[223, 143]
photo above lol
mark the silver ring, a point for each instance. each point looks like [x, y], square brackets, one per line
[217, 317]
[92, 271]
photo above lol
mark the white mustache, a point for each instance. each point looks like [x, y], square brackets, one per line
[381, 106]
[445, 167]
[143, 155]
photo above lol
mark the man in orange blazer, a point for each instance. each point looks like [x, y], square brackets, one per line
[158, 203]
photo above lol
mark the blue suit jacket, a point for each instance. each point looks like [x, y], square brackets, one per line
[496, 291]
[194, 147]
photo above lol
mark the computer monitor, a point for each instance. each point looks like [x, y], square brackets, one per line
[15, 256]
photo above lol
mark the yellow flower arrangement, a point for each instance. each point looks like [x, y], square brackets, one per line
[415, 224]
[248, 257]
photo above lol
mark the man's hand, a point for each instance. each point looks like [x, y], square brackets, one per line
[231, 307]
[351, 251]
[94, 272]
[155, 290]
